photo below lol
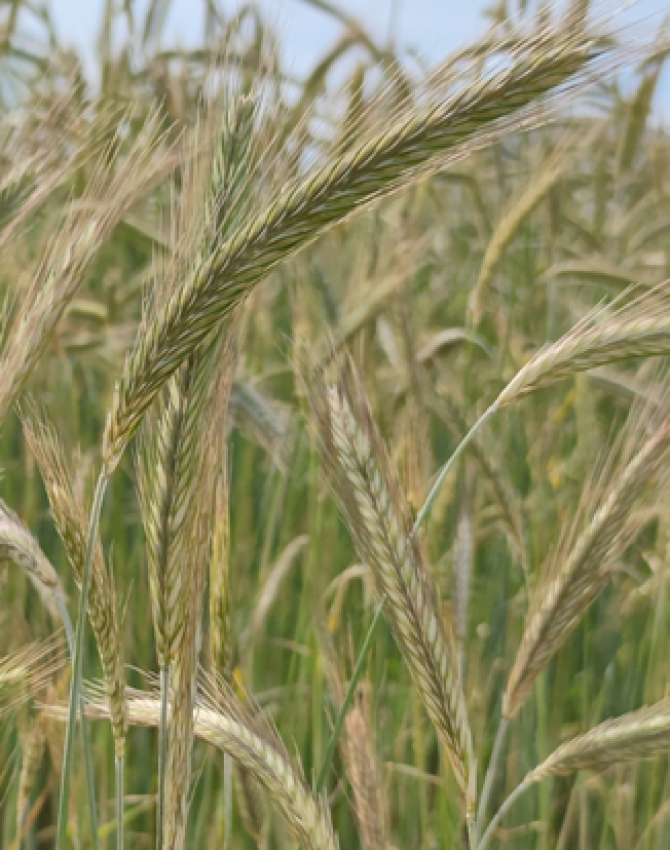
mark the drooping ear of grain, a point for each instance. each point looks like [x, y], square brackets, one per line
[71, 523]
[420, 140]
[640, 328]
[69, 255]
[379, 523]
[18, 546]
[221, 721]
[582, 567]
[642, 734]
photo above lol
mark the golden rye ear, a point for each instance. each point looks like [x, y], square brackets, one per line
[379, 522]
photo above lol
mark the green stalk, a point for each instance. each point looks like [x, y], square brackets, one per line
[491, 771]
[75, 683]
[502, 811]
[162, 754]
[227, 799]
[118, 769]
[85, 731]
[339, 723]
[435, 489]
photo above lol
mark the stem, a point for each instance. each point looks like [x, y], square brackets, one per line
[435, 489]
[85, 729]
[227, 799]
[75, 683]
[356, 675]
[118, 768]
[491, 771]
[502, 811]
[162, 754]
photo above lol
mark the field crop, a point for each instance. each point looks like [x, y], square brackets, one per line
[334, 439]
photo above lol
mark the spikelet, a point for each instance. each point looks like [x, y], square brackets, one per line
[70, 254]
[581, 567]
[71, 523]
[423, 137]
[379, 523]
[19, 546]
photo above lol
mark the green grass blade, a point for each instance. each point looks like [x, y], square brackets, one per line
[339, 723]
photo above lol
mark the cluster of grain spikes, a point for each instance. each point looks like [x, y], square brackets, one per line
[425, 135]
[378, 519]
[634, 476]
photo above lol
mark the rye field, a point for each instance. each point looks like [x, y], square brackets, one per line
[334, 436]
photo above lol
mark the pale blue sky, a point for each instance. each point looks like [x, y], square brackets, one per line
[433, 27]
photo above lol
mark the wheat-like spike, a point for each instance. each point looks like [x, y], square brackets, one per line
[220, 720]
[19, 546]
[167, 461]
[32, 743]
[615, 332]
[72, 525]
[420, 140]
[582, 570]
[167, 486]
[641, 734]
[378, 521]
[71, 252]
[197, 459]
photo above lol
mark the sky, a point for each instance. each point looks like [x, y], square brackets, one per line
[432, 27]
